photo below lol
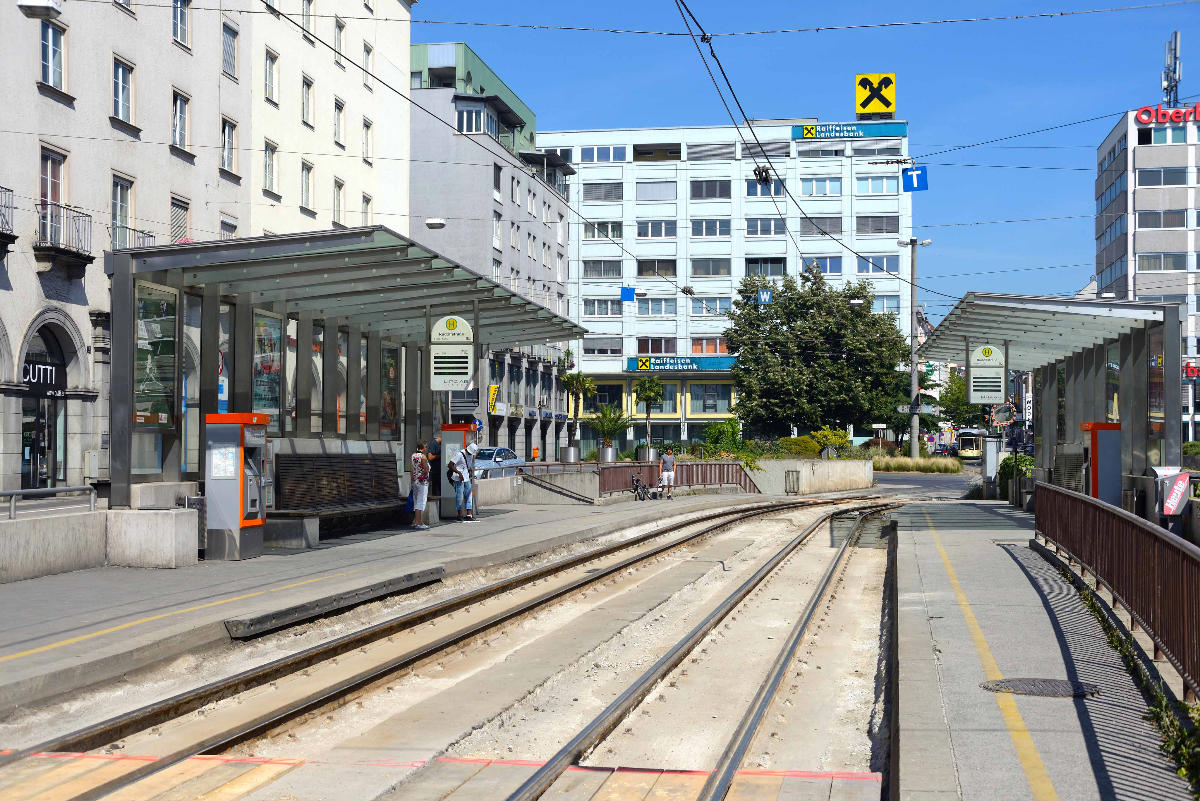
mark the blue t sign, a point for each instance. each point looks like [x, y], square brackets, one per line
[916, 179]
[766, 297]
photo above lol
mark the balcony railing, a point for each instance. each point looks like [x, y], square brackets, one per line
[125, 237]
[63, 227]
[6, 210]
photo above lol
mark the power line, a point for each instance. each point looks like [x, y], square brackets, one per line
[1007, 166]
[1002, 222]
[1012, 270]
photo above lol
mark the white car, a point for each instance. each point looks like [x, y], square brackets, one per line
[497, 457]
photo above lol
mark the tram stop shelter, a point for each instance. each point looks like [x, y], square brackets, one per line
[1100, 360]
[325, 331]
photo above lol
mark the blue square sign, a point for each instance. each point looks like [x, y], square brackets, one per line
[766, 297]
[916, 179]
[628, 293]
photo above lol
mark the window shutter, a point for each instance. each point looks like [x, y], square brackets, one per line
[656, 190]
[722, 151]
[867, 226]
[830, 225]
[229, 50]
[179, 220]
[603, 192]
[780, 148]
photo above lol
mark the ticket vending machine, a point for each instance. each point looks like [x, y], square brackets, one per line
[1102, 456]
[235, 485]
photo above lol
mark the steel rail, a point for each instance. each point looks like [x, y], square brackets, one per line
[718, 783]
[138, 720]
[595, 731]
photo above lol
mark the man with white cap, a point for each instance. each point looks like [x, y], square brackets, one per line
[462, 467]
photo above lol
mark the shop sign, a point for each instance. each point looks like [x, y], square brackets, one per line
[1191, 371]
[493, 392]
[849, 130]
[669, 364]
[499, 408]
[1148, 115]
[44, 380]
[875, 93]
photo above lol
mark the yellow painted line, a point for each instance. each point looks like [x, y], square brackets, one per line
[247, 783]
[159, 783]
[35, 786]
[1022, 740]
[161, 616]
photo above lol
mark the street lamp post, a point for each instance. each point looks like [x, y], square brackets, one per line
[914, 383]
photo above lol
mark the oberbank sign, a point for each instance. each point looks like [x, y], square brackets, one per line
[1147, 115]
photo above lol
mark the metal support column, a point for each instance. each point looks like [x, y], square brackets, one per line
[329, 378]
[1046, 411]
[302, 403]
[412, 395]
[1172, 387]
[374, 382]
[121, 406]
[354, 387]
[1133, 396]
[426, 392]
[241, 395]
[210, 362]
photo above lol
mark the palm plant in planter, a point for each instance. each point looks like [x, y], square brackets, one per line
[649, 390]
[578, 386]
[609, 422]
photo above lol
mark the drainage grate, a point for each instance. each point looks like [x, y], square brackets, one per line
[1049, 688]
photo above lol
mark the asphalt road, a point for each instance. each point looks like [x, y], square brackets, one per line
[933, 486]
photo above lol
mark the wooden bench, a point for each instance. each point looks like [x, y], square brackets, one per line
[344, 490]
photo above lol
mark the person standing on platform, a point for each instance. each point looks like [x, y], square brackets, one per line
[434, 454]
[420, 485]
[666, 471]
[461, 470]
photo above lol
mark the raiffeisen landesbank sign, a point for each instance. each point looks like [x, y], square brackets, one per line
[1148, 115]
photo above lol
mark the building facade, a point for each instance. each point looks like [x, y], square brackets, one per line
[674, 209]
[1146, 225]
[160, 123]
[483, 196]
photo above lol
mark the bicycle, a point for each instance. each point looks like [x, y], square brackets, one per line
[640, 490]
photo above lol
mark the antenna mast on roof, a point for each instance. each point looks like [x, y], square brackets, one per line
[1172, 72]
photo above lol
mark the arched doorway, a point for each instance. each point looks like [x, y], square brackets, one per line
[44, 412]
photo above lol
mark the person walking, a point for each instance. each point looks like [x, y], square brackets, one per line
[420, 486]
[666, 467]
[462, 468]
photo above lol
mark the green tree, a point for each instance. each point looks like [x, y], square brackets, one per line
[812, 357]
[578, 386]
[900, 421]
[955, 407]
[648, 390]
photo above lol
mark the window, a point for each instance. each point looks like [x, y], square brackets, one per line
[514, 236]
[270, 157]
[602, 346]
[497, 179]
[1155, 262]
[602, 230]
[820, 226]
[339, 191]
[228, 145]
[652, 268]
[1110, 194]
[876, 185]
[710, 190]
[368, 67]
[820, 187]
[710, 268]
[602, 269]
[497, 231]
[655, 345]
[589, 154]
[415, 80]
[711, 307]
[306, 177]
[530, 201]
[306, 15]
[339, 41]
[270, 76]
[516, 190]
[876, 225]
[765, 226]
[52, 55]
[306, 101]
[228, 228]
[53, 195]
[561, 232]
[122, 91]
[709, 345]
[229, 51]
[366, 209]
[710, 398]
[179, 219]
[755, 189]
[879, 264]
[655, 190]
[656, 307]
[1115, 230]
[601, 307]
[602, 192]
[121, 190]
[339, 120]
[1162, 219]
[1162, 136]
[770, 268]
[181, 17]
[1163, 176]
[830, 265]
[886, 304]
[656, 229]
[470, 120]
[710, 229]
[529, 245]
[179, 121]
[367, 132]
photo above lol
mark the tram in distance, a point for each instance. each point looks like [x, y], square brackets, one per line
[970, 443]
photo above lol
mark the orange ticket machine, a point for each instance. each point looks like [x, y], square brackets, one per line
[1103, 454]
[235, 484]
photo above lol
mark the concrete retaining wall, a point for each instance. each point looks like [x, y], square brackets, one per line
[586, 483]
[161, 493]
[41, 546]
[816, 475]
[161, 538]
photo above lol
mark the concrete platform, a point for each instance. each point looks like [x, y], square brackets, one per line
[68, 631]
[976, 603]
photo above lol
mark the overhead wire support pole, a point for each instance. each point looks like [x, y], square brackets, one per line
[914, 383]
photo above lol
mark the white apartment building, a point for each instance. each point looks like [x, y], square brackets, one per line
[685, 211]
[150, 123]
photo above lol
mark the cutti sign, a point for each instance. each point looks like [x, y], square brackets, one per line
[44, 380]
[1148, 115]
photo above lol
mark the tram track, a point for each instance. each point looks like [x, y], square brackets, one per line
[269, 695]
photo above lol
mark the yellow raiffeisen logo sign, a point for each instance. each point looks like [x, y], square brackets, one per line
[643, 364]
[875, 92]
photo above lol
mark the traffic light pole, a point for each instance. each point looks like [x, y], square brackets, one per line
[914, 403]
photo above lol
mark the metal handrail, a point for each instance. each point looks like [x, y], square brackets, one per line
[125, 237]
[63, 226]
[12, 496]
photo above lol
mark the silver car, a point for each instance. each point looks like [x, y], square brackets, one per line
[497, 457]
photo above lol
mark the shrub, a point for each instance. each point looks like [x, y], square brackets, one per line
[905, 464]
[804, 447]
[1004, 472]
[1191, 449]
[835, 438]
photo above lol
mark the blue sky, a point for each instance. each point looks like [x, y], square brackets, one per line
[957, 84]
